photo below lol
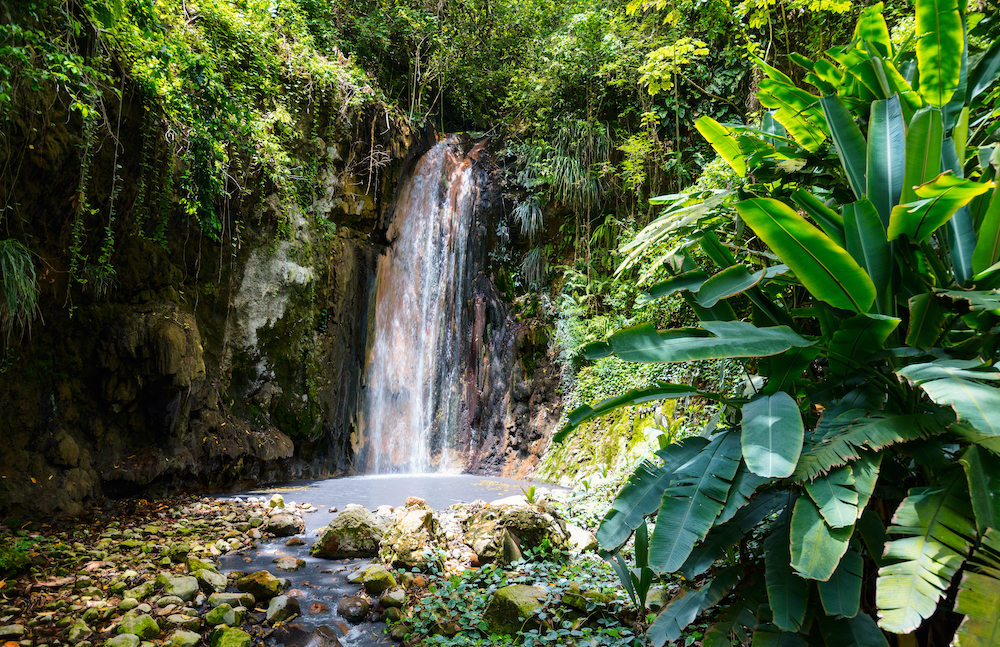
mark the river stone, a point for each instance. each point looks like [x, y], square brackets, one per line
[413, 539]
[392, 614]
[579, 598]
[393, 598]
[527, 526]
[277, 501]
[285, 525]
[180, 638]
[183, 586]
[78, 631]
[128, 604]
[281, 608]
[124, 640]
[223, 614]
[513, 607]
[657, 598]
[139, 624]
[377, 579]
[232, 599]
[355, 532]
[197, 564]
[229, 637]
[184, 621]
[323, 636]
[139, 592]
[167, 600]
[261, 584]
[354, 609]
[210, 580]
[295, 541]
[288, 563]
[581, 540]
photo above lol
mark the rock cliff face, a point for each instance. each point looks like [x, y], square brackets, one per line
[200, 361]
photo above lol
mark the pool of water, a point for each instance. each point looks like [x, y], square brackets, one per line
[322, 582]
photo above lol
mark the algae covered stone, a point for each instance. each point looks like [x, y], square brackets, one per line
[281, 608]
[413, 539]
[261, 584]
[513, 608]
[355, 532]
[123, 640]
[139, 624]
[377, 579]
[229, 637]
[179, 638]
[495, 531]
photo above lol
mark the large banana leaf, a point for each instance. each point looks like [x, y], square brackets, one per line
[643, 343]
[585, 412]
[745, 483]
[848, 435]
[831, 222]
[987, 250]
[849, 142]
[978, 596]
[835, 496]
[859, 631]
[694, 499]
[939, 49]
[923, 151]
[772, 435]
[866, 242]
[782, 370]
[787, 593]
[974, 402]
[886, 156]
[683, 609]
[865, 471]
[728, 534]
[873, 29]
[824, 268]
[796, 110]
[982, 469]
[857, 339]
[937, 525]
[691, 281]
[927, 318]
[733, 624]
[984, 74]
[816, 548]
[938, 201]
[769, 635]
[841, 594]
[641, 494]
[727, 283]
[723, 142]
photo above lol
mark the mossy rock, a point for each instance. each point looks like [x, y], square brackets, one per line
[355, 532]
[377, 579]
[513, 608]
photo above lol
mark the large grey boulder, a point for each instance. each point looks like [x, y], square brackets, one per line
[414, 538]
[355, 532]
[502, 533]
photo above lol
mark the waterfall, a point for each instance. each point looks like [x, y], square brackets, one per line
[414, 401]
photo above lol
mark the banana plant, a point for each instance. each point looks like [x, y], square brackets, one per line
[861, 482]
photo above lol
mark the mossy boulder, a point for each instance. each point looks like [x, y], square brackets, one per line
[502, 533]
[355, 532]
[513, 608]
[185, 587]
[180, 638]
[261, 584]
[413, 538]
[123, 640]
[138, 624]
[377, 579]
[229, 637]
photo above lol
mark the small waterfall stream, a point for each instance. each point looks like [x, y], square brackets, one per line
[414, 403]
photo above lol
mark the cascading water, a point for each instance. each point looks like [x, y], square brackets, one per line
[413, 404]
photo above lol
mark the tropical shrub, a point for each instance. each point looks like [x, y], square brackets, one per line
[854, 491]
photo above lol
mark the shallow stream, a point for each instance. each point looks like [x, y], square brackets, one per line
[321, 584]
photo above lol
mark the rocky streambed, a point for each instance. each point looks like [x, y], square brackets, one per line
[252, 571]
